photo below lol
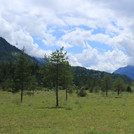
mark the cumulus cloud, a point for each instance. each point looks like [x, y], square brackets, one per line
[49, 39]
[20, 39]
[73, 60]
[109, 61]
[77, 37]
[107, 22]
[63, 44]
[121, 7]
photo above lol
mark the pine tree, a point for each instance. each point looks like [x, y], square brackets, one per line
[129, 89]
[66, 77]
[106, 83]
[56, 62]
[119, 85]
[22, 74]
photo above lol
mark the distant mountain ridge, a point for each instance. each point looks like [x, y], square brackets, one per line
[98, 75]
[128, 71]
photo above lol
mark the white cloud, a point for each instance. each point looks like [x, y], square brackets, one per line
[73, 60]
[120, 7]
[22, 38]
[23, 19]
[109, 61]
[77, 37]
[49, 39]
[63, 44]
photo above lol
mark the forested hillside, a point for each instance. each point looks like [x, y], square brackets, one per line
[96, 75]
[8, 52]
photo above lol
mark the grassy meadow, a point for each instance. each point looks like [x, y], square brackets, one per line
[93, 114]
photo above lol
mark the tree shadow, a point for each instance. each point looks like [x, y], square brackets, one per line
[54, 107]
[118, 97]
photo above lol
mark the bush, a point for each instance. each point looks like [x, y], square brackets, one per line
[129, 89]
[82, 93]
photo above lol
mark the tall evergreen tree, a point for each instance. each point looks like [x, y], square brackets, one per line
[66, 77]
[22, 74]
[55, 66]
[119, 85]
[106, 83]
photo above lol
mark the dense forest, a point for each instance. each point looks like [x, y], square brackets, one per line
[82, 77]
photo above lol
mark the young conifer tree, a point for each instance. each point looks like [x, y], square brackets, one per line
[119, 85]
[22, 74]
[106, 83]
[56, 62]
[66, 77]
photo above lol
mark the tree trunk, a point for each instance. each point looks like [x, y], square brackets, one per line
[66, 94]
[21, 95]
[57, 85]
[57, 102]
[106, 89]
[106, 92]
[22, 82]
[118, 91]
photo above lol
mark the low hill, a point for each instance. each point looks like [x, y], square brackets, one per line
[98, 75]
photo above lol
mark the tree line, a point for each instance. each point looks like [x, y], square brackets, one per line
[55, 74]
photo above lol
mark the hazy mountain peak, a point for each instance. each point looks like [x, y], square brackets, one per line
[127, 70]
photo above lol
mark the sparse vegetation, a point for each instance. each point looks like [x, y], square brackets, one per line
[93, 114]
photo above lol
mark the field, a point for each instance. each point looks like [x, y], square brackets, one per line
[94, 114]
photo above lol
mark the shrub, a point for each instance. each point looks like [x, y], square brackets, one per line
[129, 89]
[82, 93]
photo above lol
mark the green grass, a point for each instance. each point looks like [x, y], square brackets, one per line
[94, 114]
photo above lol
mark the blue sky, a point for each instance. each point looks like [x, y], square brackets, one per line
[97, 34]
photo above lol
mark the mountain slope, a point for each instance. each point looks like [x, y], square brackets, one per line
[8, 53]
[41, 60]
[128, 71]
